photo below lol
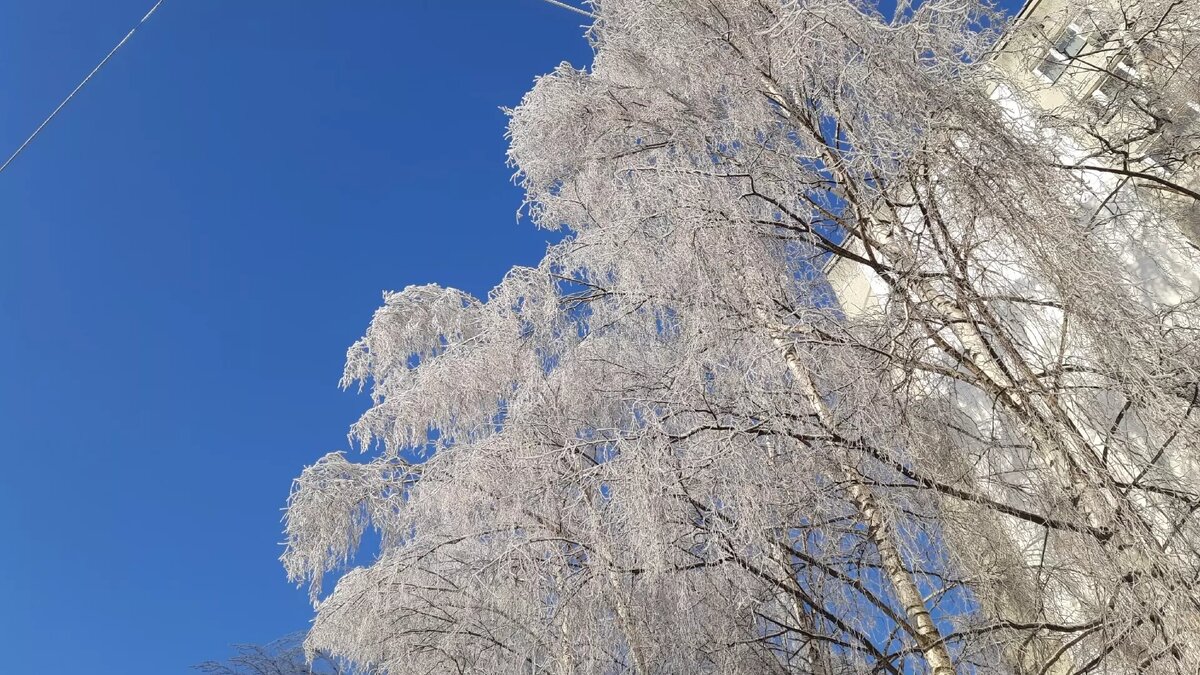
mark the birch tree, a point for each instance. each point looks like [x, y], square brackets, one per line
[675, 447]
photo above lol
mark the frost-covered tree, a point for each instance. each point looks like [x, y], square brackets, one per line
[673, 446]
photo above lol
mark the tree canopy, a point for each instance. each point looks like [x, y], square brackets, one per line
[674, 446]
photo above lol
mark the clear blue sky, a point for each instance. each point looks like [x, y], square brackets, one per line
[185, 255]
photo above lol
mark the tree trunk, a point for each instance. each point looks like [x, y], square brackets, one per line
[929, 638]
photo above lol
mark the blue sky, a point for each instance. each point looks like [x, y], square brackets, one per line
[185, 255]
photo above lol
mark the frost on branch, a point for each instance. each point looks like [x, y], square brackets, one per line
[333, 502]
[423, 358]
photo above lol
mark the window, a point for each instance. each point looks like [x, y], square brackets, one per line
[1069, 44]
[1121, 75]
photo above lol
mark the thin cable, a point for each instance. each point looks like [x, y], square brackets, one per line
[81, 85]
[577, 10]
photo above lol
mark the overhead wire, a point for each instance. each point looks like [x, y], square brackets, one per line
[577, 10]
[16, 153]
[81, 85]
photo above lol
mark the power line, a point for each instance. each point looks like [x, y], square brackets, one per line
[577, 10]
[126, 39]
[81, 85]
